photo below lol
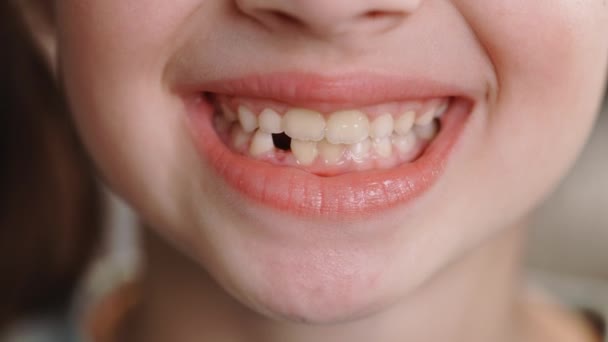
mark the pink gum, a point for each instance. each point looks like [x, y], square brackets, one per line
[394, 108]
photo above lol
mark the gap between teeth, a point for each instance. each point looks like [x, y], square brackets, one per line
[346, 135]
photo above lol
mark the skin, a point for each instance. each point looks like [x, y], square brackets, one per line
[535, 70]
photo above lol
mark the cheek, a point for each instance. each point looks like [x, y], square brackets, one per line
[112, 58]
[550, 59]
[537, 42]
[106, 41]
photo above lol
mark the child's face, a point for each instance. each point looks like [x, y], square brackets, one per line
[525, 78]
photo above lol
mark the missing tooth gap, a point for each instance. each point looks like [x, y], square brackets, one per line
[282, 141]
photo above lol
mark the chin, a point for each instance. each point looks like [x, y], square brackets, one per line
[293, 293]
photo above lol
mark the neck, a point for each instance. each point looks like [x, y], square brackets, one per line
[474, 299]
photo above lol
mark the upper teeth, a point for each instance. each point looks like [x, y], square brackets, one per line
[347, 127]
[390, 131]
[382, 127]
[270, 121]
[247, 119]
[304, 124]
[405, 122]
[341, 127]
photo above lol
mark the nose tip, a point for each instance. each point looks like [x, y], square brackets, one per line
[328, 18]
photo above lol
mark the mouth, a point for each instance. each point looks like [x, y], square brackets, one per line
[328, 143]
[318, 151]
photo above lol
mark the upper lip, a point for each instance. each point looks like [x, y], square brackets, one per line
[306, 89]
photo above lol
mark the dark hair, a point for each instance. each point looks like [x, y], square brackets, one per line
[50, 203]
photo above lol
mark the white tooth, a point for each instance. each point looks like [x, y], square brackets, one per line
[228, 113]
[305, 151]
[347, 127]
[405, 143]
[427, 117]
[261, 143]
[383, 147]
[270, 121]
[360, 150]
[247, 119]
[304, 124]
[331, 153]
[442, 109]
[382, 126]
[405, 122]
[240, 138]
[427, 132]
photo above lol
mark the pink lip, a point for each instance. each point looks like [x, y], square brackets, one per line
[303, 89]
[301, 193]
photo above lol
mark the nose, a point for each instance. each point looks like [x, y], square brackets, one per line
[329, 18]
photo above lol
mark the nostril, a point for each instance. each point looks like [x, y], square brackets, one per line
[382, 20]
[375, 14]
[379, 14]
[322, 18]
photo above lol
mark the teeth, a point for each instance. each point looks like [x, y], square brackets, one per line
[304, 124]
[426, 118]
[434, 109]
[405, 143]
[405, 123]
[270, 121]
[360, 150]
[347, 127]
[228, 113]
[247, 119]
[383, 147]
[240, 138]
[427, 132]
[442, 109]
[305, 151]
[331, 153]
[346, 135]
[382, 127]
[261, 144]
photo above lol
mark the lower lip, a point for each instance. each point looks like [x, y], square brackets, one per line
[300, 193]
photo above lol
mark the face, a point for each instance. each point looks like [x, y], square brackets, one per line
[322, 160]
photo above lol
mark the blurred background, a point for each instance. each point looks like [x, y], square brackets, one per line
[571, 229]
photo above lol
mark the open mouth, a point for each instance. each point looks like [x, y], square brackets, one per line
[329, 159]
[330, 142]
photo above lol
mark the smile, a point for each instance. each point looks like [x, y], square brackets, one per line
[331, 143]
[298, 152]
